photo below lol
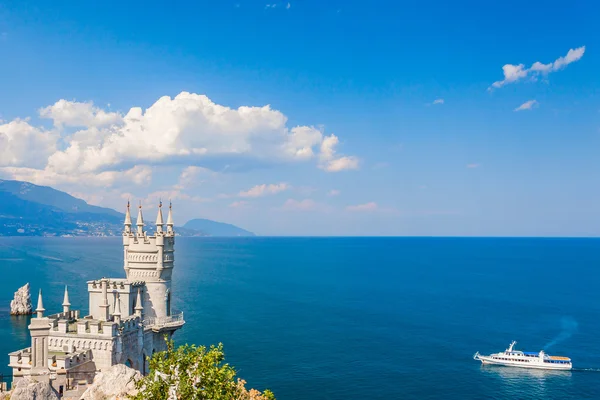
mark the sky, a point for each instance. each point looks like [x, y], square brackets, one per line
[310, 117]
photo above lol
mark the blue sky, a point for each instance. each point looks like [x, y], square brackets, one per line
[367, 73]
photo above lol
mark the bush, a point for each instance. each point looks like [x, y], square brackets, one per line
[194, 373]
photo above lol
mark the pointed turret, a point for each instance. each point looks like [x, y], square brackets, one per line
[66, 305]
[159, 219]
[140, 221]
[117, 313]
[127, 222]
[170, 219]
[138, 304]
[40, 306]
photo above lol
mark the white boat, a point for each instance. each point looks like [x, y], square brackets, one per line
[525, 359]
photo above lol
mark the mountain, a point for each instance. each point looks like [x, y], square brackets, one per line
[213, 228]
[31, 210]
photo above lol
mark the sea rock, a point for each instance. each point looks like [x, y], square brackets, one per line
[28, 389]
[115, 383]
[21, 304]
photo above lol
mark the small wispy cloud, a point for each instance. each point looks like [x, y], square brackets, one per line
[473, 165]
[438, 101]
[289, 5]
[528, 105]
[239, 204]
[333, 192]
[299, 205]
[515, 73]
[372, 206]
[264, 189]
[271, 5]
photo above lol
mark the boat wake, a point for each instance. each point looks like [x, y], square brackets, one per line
[586, 369]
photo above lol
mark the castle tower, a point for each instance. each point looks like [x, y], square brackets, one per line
[150, 258]
[39, 330]
[66, 304]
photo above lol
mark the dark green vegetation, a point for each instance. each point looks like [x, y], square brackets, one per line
[216, 228]
[194, 373]
[31, 210]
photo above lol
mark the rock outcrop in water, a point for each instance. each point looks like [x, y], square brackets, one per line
[21, 304]
[28, 389]
[117, 382]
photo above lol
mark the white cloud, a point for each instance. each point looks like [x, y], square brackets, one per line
[264, 189]
[438, 101]
[187, 128]
[333, 192]
[514, 73]
[372, 206]
[528, 105]
[22, 145]
[288, 6]
[329, 162]
[190, 176]
[473, 165]
[70, 113]
[302, 205]
[239, 204]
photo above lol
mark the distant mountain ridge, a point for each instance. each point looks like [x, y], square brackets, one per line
[216, 228]
[31, 210]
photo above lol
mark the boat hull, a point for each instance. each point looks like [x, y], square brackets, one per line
[530, 365]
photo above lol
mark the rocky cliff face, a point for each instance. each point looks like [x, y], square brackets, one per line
[21, 304]
[117, 382]
[28, 389]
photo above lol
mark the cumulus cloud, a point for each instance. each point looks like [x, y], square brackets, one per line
[191, 176]
[71, 113]
[528, 105]
[22, 144]
[138, 175]
[264, 189]
[372, 206]
[329, 161]
[514, 73]
[188, 127]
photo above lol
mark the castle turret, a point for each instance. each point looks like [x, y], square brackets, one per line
[39, 330]
[159, 220]
[138, 304]
[170, 221]
[104, 313]
[66, 305]
[127, 222]
[117, 313]
[150, 258]
[140, 223]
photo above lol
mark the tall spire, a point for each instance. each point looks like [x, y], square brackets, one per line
[170, 219]
[127, 215]
[138, 304]
[66, 305]
[40, 306]
[117, 313]
[159, 219]
[140, 221]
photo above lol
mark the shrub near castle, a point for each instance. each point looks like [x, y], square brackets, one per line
[194, 373]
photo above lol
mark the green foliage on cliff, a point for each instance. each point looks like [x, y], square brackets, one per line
[194, 373]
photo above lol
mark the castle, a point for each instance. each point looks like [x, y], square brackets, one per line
[127, 321]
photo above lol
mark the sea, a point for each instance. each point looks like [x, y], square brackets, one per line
[356, 318]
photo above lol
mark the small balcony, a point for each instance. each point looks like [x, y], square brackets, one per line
[172, 322]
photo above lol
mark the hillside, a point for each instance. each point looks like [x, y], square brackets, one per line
[31, 210]
[216, 228]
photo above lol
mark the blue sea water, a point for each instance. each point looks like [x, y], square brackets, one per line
[364, 318]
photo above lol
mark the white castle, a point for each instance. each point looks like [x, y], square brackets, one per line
[127, 321]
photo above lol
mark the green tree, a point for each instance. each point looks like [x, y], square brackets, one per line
[192, 372]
